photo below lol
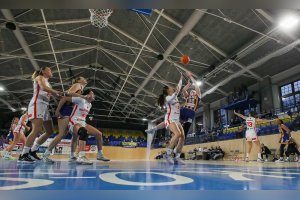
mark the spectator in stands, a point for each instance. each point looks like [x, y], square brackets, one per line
[265, 151]
[292, 149]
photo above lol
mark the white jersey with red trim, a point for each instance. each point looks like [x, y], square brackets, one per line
[173, 109]
[80, 110]
[251, 123]
[39, 95]
[20, 128]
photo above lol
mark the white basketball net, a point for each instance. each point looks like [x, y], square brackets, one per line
[99, 17]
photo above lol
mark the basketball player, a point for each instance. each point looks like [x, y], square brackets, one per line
[63, 113]
[169, 99]
[285, 135]
[188, 111]
[19, 136]
[38, 114]
[10, 135]
[251, 134]
[78, 125]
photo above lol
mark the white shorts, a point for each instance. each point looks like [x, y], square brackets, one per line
[74, 122]
[168, 122]
[19, 129]
[251, 135]
[38, 111]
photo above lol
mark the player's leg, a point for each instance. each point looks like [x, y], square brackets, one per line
[37, 127]
[248, 149]
[173, 127]
[82, 133]
[98, 135]
[258, 146]
[62, 128]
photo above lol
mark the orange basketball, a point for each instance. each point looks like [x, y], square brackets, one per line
[185, 59]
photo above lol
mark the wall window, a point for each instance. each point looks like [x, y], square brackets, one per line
[290, 95]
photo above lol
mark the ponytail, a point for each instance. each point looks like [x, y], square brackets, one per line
[162, 98]
[36, 73]
[75, 80]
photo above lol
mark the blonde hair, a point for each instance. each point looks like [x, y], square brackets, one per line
[37, 73]
[75, 80]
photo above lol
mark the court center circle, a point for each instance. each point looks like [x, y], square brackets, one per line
[30, 183]
[111, 177]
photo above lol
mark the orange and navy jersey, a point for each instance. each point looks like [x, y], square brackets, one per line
[192, 102]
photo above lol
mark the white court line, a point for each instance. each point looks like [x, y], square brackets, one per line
[46, 173]
[75, 177]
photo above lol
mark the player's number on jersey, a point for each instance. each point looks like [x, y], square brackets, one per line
[249, 124]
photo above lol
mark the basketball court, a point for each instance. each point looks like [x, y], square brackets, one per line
[141, 175]
[227, 62]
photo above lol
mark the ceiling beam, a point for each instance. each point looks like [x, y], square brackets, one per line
[19, 36]
[191, 22]
[255, 64]
[210, 45]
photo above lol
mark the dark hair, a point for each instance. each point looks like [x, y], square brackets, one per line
[280, 121]
[37, 73]
[75, 80]
[253, 113]
[87, 91]
[162, 98]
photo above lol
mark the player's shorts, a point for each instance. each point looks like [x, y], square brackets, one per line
[171, 120]
[251, 135]
[285, 139]
[73, 122]
[19, 129]
[187, 115]
[66, 110]
[38, 111]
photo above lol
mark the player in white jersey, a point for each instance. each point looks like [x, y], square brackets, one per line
[38, 114]
[251, 134]
[19, 136]
[63, 113]
[78, 125]
[169, 100]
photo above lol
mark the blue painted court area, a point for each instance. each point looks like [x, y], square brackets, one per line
[142, 175]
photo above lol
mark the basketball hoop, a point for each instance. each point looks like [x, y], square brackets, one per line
[99, 17]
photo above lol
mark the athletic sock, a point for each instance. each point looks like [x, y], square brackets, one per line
[72, 155]
[25, 150]
[259, 156]
[169, 151]
[247, 155]
[35, 146]
[81, 154]
[100, 152]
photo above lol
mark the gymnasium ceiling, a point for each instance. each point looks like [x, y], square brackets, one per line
[222, 45]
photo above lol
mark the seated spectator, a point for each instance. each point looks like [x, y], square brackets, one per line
[292, 149]
[265, 151]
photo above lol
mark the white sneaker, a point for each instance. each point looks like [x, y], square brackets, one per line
[279, 161]
[169, 159]
[287, 160]
[9, 157]
[299, 160]
[46, 159]
[83, 161]
[247, 159]
[179, 161]
[101, 157]
[266, 160]
[260, 160]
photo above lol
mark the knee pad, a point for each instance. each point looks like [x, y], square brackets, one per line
[83, 135]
